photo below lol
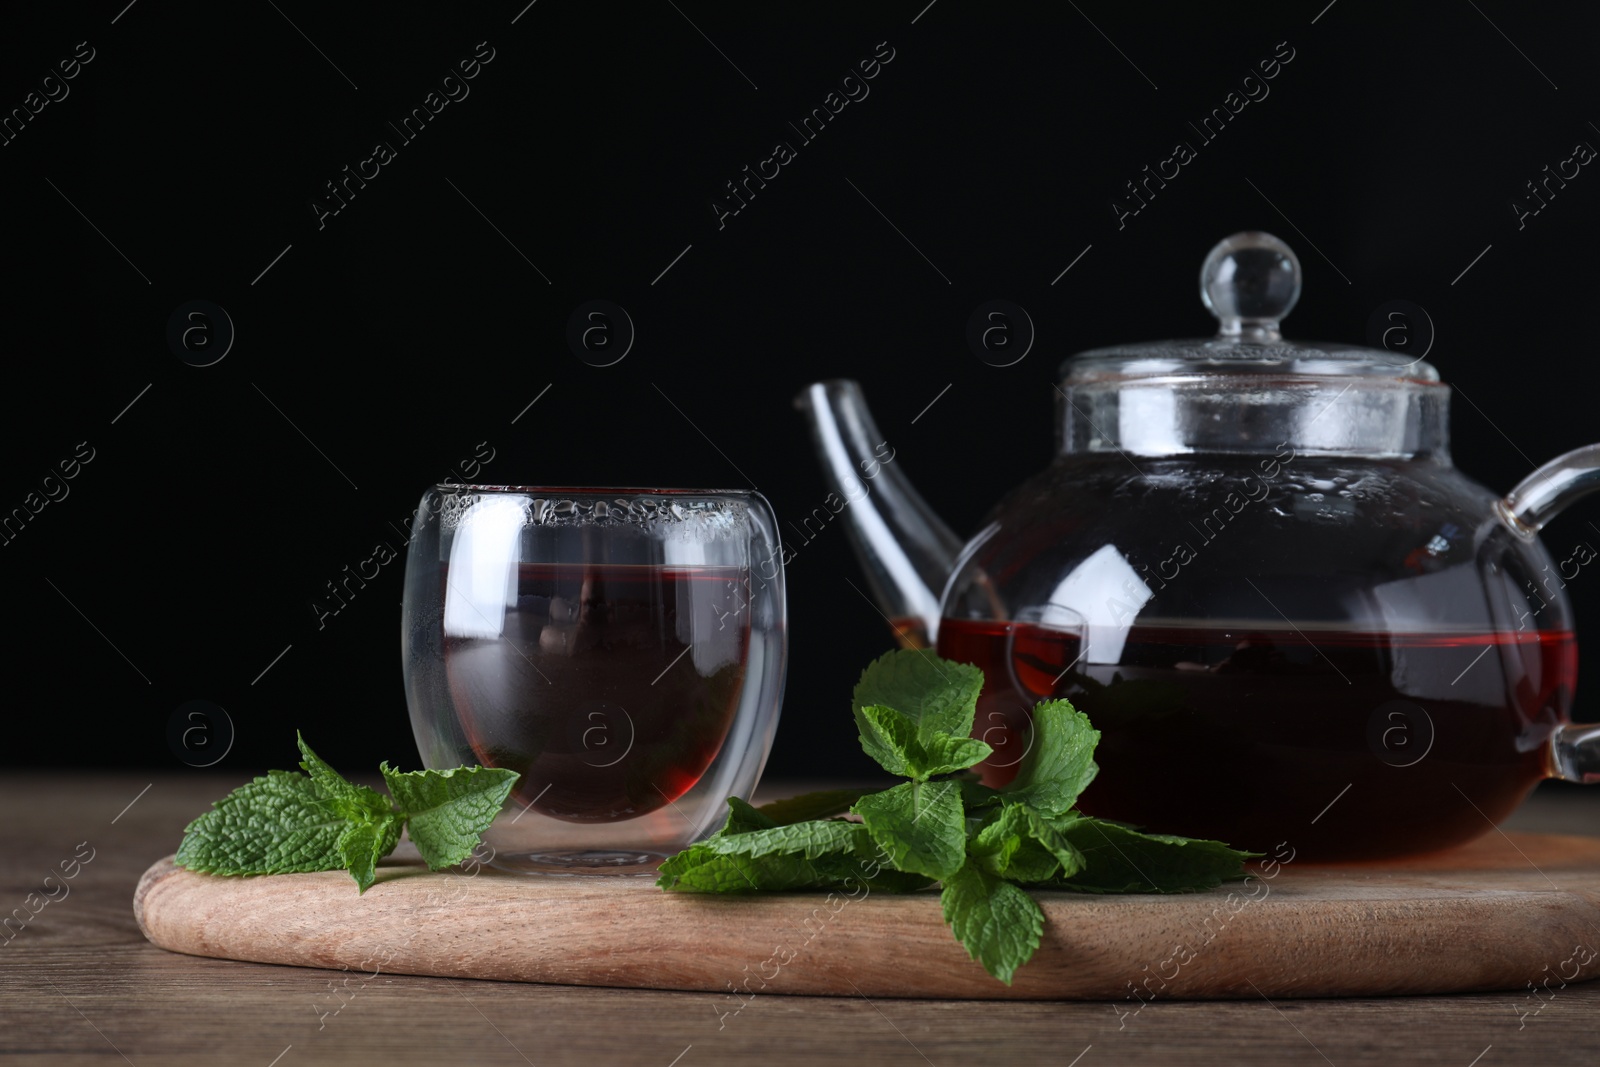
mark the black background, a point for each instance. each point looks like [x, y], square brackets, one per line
[410, 326]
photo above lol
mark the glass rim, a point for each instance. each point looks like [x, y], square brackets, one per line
[607, 492]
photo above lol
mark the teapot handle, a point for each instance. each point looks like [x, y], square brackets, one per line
[1540, 496]
[1575, 753]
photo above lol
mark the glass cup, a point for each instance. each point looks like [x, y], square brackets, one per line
[622, 650]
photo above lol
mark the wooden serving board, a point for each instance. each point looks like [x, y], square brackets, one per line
[1498, 913]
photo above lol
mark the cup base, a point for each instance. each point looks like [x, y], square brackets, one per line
[582, 863]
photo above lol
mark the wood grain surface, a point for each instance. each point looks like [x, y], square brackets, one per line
[81, 985]
[1484, 916]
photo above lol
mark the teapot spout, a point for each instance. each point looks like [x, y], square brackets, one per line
[1542, 495]
[904, 548]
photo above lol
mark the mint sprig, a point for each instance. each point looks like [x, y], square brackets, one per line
[985, 847]
[319, 821]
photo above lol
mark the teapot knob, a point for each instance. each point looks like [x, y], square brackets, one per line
[1250, 281]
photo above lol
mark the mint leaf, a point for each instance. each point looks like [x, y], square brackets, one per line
[942, 754]
[888, 737]
[372, 824]
[720, 860]
[332, 784]
[1012, 845]
[1118, 859]
[902, 749]
[362, 845]
[814, 840]
[277, 824]
[353, 801]
[920, 826]
[702, 868]
[997, 841]
[447, 811]
[938, 695]
[839, 853]
[743, 819]
[1067, 855]
[818, 805]
[1060, 764]
[698, 869]
[999, 924]
[870, 863]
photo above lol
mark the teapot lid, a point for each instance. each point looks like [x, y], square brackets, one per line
[1250, 282]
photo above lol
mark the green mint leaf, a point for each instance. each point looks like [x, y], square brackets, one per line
[1015, 844]
[363, 844]
[862, 861]
[277, 824]
[842, 853]
[888, 737]
[1069, 857]
[921, 826]
[999, 924]
[374, 825]
[743, 819]
[942, 754]
[1118, 859]
[357, 802]
[807, 806]
[901, 749]
[448, 811]
[332, 784]
[869, 862]
[699, 869]
[702, 868]
[938, 695]
[814, 840]
[997, 840]
[1060, 763]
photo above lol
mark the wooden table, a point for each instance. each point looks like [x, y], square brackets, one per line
[79, 984]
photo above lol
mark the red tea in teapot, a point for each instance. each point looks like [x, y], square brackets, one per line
[1340, 743]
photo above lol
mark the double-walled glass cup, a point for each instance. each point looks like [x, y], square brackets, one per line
[622, 650]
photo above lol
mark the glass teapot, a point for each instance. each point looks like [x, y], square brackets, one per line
[1254, 567]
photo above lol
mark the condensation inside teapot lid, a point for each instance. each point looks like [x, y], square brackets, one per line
[1250, 282]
